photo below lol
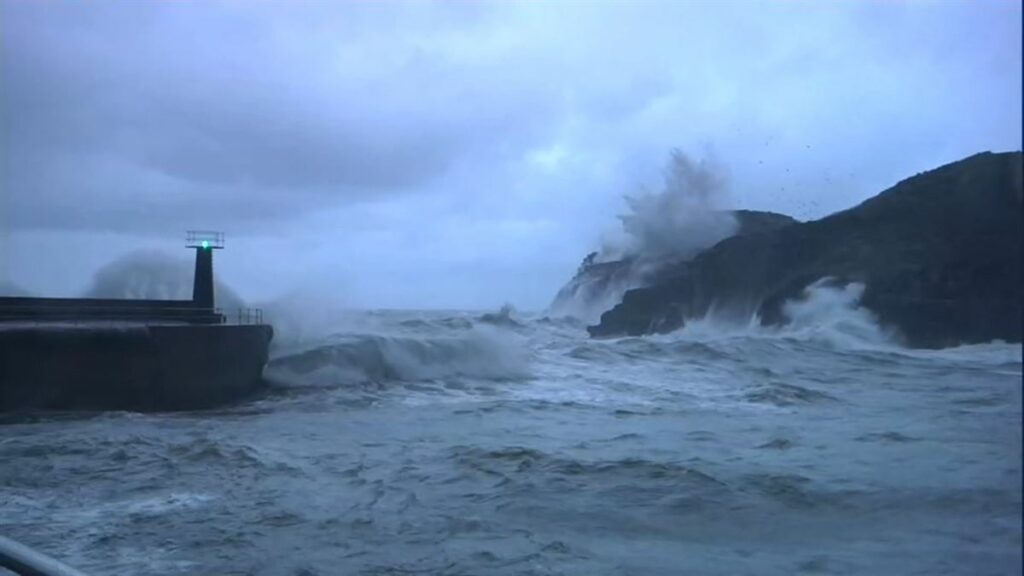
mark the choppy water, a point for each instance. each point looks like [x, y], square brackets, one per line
[440, 443]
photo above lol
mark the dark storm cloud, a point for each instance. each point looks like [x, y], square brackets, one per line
[153, 109]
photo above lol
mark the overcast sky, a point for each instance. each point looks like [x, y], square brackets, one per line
[461, 154]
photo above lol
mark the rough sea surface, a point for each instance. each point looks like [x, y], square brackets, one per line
[455, 443]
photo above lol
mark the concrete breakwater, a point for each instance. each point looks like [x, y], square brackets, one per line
[121, 365]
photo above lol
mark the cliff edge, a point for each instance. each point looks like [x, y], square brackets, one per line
[939, 255]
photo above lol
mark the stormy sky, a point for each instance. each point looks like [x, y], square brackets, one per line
[460, 154]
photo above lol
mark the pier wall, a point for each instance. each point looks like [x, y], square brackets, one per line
[129, 366]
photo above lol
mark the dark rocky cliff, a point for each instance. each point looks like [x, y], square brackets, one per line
[939, 254]
[602, 284]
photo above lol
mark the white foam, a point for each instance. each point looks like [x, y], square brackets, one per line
[145, 506]
[833, 314]
[825, 313]
[479, 352]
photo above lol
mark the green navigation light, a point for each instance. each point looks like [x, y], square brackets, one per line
[206, 245]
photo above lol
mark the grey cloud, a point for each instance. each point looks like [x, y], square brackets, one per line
[479, 147]
[207, 107]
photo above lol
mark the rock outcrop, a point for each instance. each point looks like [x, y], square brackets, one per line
[939, 254]
[599, 285]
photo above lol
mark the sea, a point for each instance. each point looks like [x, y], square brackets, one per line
[511, 443]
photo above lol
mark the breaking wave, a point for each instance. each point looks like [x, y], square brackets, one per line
[356, 358]
[833, 314]
[421, 424]
[826, 312]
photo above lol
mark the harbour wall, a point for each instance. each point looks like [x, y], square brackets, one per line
[129, 366]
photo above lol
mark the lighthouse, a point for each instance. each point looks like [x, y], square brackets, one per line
[204, 242]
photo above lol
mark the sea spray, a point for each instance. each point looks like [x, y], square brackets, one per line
[780, 452]
[685, 217]
[479, 352]
[154, 275]
[832, 312]
[826, 311]
[676, 223]
[307, 315]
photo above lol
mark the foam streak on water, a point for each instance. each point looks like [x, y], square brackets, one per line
[444, 443]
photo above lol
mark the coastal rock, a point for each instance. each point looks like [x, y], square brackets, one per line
[939, 254]
[599, 285]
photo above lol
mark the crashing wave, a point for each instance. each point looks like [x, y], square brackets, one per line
[356, 358]
[827, 311]
[506, 317]
[154, 275]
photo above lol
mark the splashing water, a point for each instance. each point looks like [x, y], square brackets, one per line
[659, 229]
[681, 219]
[154, 275]
[455, 442]
[832, 313]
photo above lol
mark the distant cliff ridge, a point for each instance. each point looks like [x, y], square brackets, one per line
[939, 255]
[597, 286]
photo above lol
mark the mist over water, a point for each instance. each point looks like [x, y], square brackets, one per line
[510, 443]
[154, 275]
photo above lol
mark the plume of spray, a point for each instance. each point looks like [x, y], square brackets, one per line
[682, 219]
[305, 315]
[154, 275]
[831, 311]
[675, 223]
